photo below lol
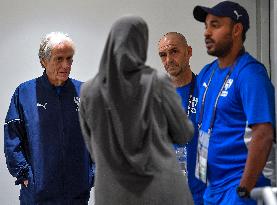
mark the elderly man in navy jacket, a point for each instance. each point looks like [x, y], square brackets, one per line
[44, 146]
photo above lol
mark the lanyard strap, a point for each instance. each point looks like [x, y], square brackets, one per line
[216, 101]
[191, 94]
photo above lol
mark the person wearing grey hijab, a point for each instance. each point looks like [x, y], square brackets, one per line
[130, 115]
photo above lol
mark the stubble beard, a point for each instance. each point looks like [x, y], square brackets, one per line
[177, 71]
[223, 48]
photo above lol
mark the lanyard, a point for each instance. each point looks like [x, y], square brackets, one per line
[216, 101]
[191, 94]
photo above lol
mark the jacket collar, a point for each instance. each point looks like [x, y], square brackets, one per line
[48, 85]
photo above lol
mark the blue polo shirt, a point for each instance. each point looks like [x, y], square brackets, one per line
[247, 99]
[196, 186]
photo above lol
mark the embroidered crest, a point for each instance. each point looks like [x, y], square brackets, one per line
[77, 102]
[226, 87]
[193, 104]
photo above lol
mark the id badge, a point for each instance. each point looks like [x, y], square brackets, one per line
[181, 153]
[202, 156]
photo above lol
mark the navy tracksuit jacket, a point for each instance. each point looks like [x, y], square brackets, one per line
[43, 143]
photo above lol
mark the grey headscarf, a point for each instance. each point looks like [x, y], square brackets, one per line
[130, 115]
[127, 89]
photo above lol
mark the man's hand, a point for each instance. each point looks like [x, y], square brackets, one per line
[25, 183]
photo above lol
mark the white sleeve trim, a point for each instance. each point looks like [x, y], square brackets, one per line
[12, 121]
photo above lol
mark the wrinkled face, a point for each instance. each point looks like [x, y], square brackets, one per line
[218, 35]
[59, 66]
[175, 54]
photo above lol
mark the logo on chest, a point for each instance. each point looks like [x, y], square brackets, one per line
[192, 105]
[228, 84]
[77, 102]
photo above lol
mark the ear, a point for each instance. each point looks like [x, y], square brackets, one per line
[43, 62]
[189, 51]
[237, 30]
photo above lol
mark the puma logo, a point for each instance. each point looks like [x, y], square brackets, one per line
[40, 105]
[237, 14]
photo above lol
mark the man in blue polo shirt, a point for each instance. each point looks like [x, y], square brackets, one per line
[175, 54]
[236, 110]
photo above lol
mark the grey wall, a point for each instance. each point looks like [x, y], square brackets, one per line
[23, 23]
[273, 49]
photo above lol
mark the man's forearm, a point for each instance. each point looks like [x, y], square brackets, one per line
[258, 151]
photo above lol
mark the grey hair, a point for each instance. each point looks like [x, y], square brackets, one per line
[49, 42]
